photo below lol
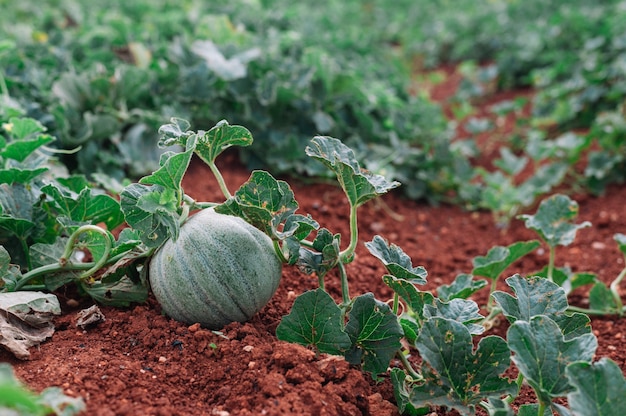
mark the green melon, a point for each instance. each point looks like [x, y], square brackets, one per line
[220, 270]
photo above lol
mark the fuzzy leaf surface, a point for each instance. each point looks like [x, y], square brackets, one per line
[264, 202]
[462, 287]
[538, 296]
[152, 211]
[219, 138]
[463, 377]
[324, 256]
[459, 310]
[542, 354]
[396, 261]
[172, 169]
[359, 184]
[600, 388]
[553, 220]
[499, 258]
[315, 320]
[375, 334]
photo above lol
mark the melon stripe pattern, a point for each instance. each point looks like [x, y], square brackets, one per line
[220, 270]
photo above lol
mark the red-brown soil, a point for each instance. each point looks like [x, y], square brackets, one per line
[139, 362]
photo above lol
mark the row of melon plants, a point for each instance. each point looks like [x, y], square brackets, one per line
[219, 262]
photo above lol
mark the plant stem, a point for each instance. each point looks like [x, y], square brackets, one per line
[69, 248]
[551, 263]
[220, 180]
[396, 301]
[279, 252]
[408, 367]
[58, 267]
[488, 321]
[494, 284]
[597, 312]
[346, 255]
[614, 289]
[345, 291]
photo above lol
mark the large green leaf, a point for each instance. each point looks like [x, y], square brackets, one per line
[85, 206]
[600, 388]
[359, 184]
[542, 354]
[499, 258]
[534, 296]
[375, 334]
[538, 296]
[396, 261]
[17, 175]
[316, 321]
[553, 220]
[463, 377]
[265, 203]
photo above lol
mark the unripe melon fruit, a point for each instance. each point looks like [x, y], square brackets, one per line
[220, 270]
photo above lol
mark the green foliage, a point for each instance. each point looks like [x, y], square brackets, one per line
[16, 399]
[600, 388]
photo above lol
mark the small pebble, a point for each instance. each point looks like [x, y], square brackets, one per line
[162, 359]
[248, 348]
[194, 328]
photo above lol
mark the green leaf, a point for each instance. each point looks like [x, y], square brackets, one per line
[46, 254]
[396, 261]
[463, 377]
[414, 298]
[601, 298]
[375, 334]
[459, 310]
[600, 388]
[85, 206]
[359, 185]
[325, 256]
[463, 287]
[22, 128]
[173, 168]
[116, 290]
[402, 393]
[553, 220]
[21, 149]
[315, 320]
[219, 138]
[538, 296]
[9, 273]
[535, 296]
[498, 407]
[23, 176]
[263, 202]
[542, 354]
[151, 211]
[13, 395]
[174, 133]
[499, 258]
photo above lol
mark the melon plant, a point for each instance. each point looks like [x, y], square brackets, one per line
[219, 270]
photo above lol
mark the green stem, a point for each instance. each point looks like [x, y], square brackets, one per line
[279, 252]
[220, 180]
[597, 312]
[346, 255]
[541, 409]
[615, 288]
[551, 263]
[494, 285]
[408, 367]
[488, 321]
[345, 291]
[396, 301]
[69, 248]
[58, 267]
